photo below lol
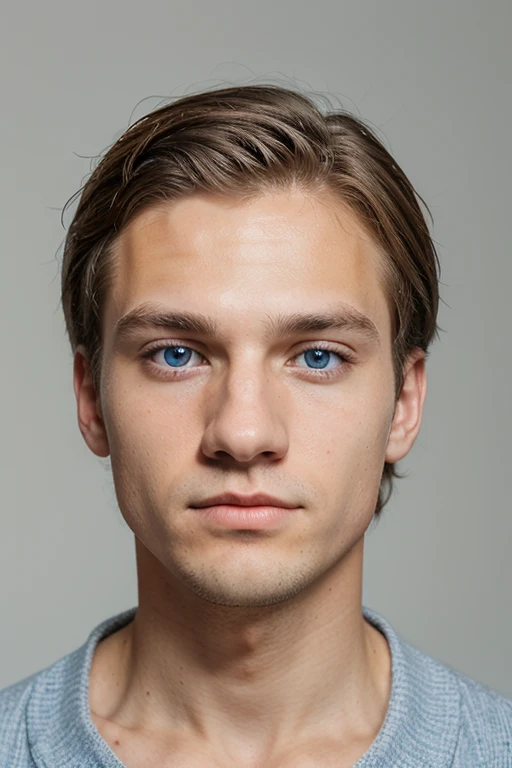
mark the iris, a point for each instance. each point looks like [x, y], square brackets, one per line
[179, 355]
[319, 357]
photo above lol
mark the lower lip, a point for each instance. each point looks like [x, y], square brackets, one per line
[246, 518]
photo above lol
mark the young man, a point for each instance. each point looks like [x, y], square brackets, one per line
[250, 290]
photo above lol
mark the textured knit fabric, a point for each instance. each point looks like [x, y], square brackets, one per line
[436, 716]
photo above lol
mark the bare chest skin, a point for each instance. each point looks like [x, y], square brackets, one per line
[137, 750]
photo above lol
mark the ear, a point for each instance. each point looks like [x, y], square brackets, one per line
[90, 420]
[409, 408]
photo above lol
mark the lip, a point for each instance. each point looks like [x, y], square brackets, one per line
[239, 500]
[243, 517]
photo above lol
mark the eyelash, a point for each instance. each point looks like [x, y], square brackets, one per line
[345, 358]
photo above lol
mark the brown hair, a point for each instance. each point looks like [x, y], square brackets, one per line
[243, 141]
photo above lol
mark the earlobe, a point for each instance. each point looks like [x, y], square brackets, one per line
[409, 408]
[90, 420]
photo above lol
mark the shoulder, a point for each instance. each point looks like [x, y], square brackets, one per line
[480, 717]
[485, 732]
[44, 717]
[14, 749]
[456, 721]
[29, 709]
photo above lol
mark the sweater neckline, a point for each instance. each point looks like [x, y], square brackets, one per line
[420, 726]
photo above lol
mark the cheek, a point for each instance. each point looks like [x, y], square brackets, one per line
[149, 445]
[143, 423]
[347, 427]
[346, 450]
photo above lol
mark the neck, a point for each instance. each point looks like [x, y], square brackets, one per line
[308, 667]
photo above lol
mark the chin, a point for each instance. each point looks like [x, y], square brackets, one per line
[248, 595]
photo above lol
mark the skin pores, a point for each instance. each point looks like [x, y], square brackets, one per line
[245, 413]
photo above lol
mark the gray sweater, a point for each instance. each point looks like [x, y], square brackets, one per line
[436, 716]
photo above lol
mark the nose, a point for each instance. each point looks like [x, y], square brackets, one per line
[245, 417]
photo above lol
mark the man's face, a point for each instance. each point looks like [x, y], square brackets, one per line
[246, 410]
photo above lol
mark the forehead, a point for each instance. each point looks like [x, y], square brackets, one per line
[239, 260]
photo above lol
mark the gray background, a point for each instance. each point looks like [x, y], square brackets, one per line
[434, 77]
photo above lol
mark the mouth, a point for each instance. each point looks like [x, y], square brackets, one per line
[242, 500]
[240, 517]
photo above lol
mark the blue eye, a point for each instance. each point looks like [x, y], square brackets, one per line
[175, 356]
[317, 357]
[179, 355]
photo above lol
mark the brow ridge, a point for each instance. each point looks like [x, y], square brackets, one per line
[335, 317]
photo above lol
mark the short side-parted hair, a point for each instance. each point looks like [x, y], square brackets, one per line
[244, 141]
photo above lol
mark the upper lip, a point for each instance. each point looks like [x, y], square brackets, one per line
[255, 500]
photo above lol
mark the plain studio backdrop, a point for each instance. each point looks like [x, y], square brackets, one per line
[434, 80]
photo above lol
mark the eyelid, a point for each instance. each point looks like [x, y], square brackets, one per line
[166, 373]
[329, 346]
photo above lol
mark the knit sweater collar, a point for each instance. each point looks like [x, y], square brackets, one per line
[420, 728]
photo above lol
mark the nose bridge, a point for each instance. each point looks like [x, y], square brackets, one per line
[245, 411]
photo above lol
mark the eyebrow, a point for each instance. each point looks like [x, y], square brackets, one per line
[153, 316]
